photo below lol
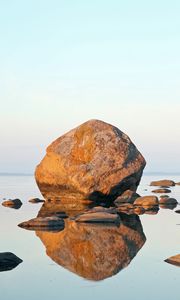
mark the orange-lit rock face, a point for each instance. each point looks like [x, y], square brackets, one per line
[92, 159]
[95, 252]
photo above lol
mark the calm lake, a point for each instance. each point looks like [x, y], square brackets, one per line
[146, 276]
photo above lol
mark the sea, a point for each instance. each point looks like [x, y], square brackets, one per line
[147, 276]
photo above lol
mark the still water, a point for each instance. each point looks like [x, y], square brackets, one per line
[53, 269]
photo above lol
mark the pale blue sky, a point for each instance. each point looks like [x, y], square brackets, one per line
[63, 62]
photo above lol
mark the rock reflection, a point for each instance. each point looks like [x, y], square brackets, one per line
[93, 251]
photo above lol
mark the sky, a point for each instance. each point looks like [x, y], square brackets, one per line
[64, 62]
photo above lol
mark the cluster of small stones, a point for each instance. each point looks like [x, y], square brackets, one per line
[129, 203]
[17, 203]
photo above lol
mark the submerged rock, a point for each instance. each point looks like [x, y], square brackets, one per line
[95, 160]
[164, 183]
[174, 260]
[95, 251]
[8, 261]
[161, 191]
[43, 223]
[146, 201]
[35, 200]
[15, 203]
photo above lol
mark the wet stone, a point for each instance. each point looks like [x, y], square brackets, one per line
[161, 191]
[167, 200]
[164, 183]
[43, 223]
[36, 200]
[8, 261]
[15, 203]
[146, 201]
[98, 217]
[174, 260]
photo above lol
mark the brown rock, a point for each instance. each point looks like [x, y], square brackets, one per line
[95, 160]
[146, 201]
[152, 211]
[94, 209]
[174, 260]
[161, 191]
[177, 183]
[164, 196]
[36, 200]
[139, 210]
[167, 201]
[168, 206]
[125, 206]
[43, 223]
[94, 251]
[127, 197]
[98, 217]
[8, 261]
[15, 203]
[164, 183]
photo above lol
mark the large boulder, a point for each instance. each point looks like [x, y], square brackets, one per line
[94, 160]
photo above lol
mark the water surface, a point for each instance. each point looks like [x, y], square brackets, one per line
[142, 274]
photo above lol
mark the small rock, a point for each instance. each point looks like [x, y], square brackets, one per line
[168, 206]
[174, 260]
[168, 200]
[127, 197]
[177, 211]
[177, 183]
[164, 196]
[161, 191]
[36, 200]
[8, 261]
[110, 210]
[43, 223]
[146, 201]
[15, 203]
[139, 210]
[164, 187]
[164, 182]
[98, 217]
[125, 206]
[152, 211]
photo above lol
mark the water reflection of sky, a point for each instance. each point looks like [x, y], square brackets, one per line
[147, 276]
